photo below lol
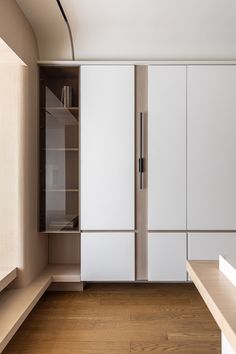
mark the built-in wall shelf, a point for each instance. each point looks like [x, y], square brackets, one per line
[16, 304]
[64, 273]
[7, 275]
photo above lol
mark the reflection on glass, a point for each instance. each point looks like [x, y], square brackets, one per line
[59, 211]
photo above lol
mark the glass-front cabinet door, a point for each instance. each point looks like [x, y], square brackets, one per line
[59, 149]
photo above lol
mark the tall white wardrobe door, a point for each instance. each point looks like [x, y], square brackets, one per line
[107, 147]
[167, 147]
[211, 112]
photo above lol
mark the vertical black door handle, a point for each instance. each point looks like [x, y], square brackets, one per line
[141, 159]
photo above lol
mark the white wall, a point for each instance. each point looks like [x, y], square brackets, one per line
[11, 95]
[17, 33]
[136, 29]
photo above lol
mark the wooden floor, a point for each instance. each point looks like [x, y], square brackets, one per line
[119, 319]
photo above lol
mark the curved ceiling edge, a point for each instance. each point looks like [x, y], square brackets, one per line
[49, 27]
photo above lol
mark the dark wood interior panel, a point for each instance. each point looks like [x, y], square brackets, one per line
[59, 150]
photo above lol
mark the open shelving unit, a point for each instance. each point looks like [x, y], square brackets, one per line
[59, 150]
[59, 170]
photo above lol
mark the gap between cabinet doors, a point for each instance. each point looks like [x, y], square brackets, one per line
[141, 151]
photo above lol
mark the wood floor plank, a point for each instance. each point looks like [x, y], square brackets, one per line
[119, 319]
[160, 348]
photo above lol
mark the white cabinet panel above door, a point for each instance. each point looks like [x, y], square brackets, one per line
[107, 256]
[167, 256]
[211, 92]
[208, 246]
[167, 147]
[107, 147]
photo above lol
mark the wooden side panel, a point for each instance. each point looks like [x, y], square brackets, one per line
[141, 101]
[64, 248]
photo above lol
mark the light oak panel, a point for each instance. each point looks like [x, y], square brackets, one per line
[141, 102]
[7, 275]
[16, 304]
[218, 293]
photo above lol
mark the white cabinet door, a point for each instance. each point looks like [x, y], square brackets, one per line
[167, 147]
[211, 112]
[107, 256]
[107, 147]
[167, 257]
[211, 245]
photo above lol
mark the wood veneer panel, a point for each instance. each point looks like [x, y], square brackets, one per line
[64, 249]
[218, 293]
[141, 102]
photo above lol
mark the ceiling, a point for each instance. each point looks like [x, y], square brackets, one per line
[49, 27]
[135, 29]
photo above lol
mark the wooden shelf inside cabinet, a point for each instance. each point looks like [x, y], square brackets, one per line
[61, 190]
[63, 115]
[60, 232]
[59, 222]
[61, 149]
[62, 108]
[51, 231]
[64, 273]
